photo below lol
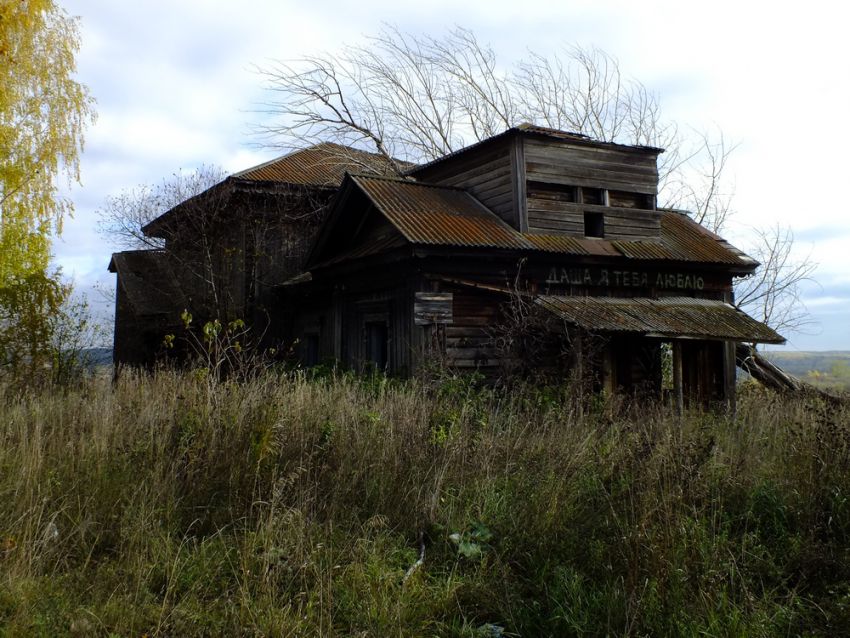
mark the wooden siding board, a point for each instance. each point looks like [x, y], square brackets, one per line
[488, 176]
[545, 149]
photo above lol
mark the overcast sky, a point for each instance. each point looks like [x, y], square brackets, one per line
[175, 89]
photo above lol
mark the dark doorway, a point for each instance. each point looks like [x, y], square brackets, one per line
[376, 344]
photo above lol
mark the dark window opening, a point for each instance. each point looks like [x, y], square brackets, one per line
[311, 350]
[552, 192]
[593, 196]
[594, 225]
[623, 199]
[376, 344]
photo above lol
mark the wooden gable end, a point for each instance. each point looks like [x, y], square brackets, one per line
[354, 228]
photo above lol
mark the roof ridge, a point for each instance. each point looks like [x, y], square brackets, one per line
[404, 179]
[306, 149]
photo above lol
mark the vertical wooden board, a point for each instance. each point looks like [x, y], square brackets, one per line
[520, 205]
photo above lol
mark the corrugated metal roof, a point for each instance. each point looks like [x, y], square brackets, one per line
[438, 215]
[569, 245]
[147, 278]
[670, 317]
[320, 165]
[641, 249]
[685, 239]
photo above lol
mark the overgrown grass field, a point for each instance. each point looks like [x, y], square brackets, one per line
[287, 506]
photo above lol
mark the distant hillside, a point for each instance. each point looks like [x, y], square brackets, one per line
[96, 357]
[826, 369]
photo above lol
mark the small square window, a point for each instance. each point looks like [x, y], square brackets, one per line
[594, 225]
[594, 196]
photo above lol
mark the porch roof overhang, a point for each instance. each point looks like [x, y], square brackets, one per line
[668, 317]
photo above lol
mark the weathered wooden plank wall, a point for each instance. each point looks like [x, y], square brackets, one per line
[487, 175]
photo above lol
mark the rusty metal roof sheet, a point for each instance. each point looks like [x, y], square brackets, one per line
[687, 240]
[569, 245]
[148, 279]
[320, 165]
[668, 317]
[438, 215]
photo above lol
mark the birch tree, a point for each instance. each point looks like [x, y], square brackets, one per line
[43, 112]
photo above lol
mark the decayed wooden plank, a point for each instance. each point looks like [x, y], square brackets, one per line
[548, 149]
[471, 172]
[519, 182]
[559, 216]
[546, 225]
[566, 162]
[647, 187]
[432, 307]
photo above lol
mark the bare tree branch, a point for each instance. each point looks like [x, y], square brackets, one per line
[773, 293]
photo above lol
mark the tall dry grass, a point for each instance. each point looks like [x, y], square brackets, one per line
[171, 505]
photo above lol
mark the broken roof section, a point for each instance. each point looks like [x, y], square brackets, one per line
[430, 215]
[667, 317]
[149, 282]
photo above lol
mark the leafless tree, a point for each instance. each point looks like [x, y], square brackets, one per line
[122, 217]
[418, 98]
[227, 240]
[700, 184]
[773, 293]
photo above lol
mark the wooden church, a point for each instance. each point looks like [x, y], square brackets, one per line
[535, 249]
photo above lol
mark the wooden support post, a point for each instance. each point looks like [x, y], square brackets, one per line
[729, 380]
[580, 387]
[336, 324]
[678, 391]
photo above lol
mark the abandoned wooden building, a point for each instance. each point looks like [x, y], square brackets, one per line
[533, 237]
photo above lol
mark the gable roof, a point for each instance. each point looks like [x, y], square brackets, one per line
[324, 164]
[320, 166]
[430, 215]
[438, 215]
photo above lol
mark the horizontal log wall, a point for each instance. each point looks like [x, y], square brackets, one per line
[561, 163]
[470, 336]
[561, 176]
[554, 217]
